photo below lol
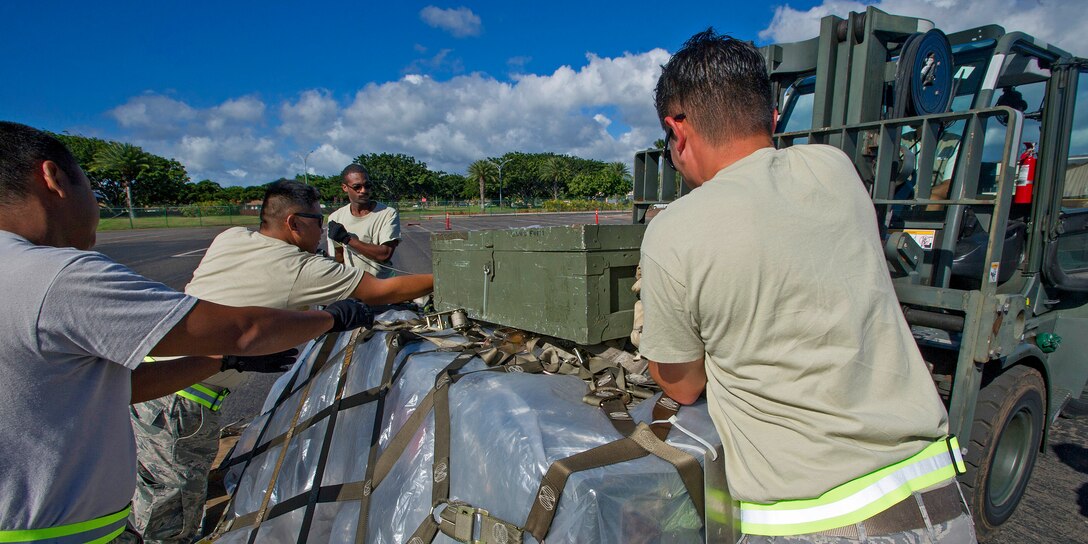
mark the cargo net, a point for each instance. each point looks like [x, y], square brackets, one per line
[409, 434]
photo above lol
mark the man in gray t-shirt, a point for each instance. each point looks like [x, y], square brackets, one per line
[74, 331]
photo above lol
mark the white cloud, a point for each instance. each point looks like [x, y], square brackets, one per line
[1058, 22]
[309, 117]
[601, 110]
[441, 62]
[459, 22]
[154, 115]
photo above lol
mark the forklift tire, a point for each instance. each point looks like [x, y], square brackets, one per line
[1005, 439]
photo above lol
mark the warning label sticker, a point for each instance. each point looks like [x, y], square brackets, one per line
[924, 237]
[994, 269]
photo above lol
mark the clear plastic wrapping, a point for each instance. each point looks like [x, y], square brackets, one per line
[506, 430]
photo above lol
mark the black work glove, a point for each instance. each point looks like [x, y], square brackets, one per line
[349, 315]
[338, 234]
[276, 362]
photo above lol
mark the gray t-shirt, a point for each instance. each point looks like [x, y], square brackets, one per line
[377, 227]
[773, 269]
[74, 324]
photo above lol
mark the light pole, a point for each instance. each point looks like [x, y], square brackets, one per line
[305, 165]
[500, 165]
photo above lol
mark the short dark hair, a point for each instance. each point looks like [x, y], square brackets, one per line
[354, 168]
[22, 151]
[720, 84]
[284, 196]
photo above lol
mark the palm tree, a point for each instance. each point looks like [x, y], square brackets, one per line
[482, 171]
[619, 176]
[556, 170]
[619, 169]
[125, 163]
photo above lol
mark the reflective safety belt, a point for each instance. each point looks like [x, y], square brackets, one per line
[205, 396]
[200, 394]
[858, 499]
[95, 531]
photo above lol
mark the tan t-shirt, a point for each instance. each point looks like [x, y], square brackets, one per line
[774, 270]
[377, 227]
[246, 268]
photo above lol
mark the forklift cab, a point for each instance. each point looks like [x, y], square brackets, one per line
[990, 69]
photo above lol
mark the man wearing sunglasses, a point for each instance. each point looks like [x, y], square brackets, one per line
[766, 287]
[275, 266]
[365, 233]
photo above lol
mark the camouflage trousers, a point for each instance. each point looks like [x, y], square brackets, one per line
[176, 443]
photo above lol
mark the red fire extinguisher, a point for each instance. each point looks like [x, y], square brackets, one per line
[1025, 175]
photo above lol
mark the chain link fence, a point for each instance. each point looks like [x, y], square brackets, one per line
[249, 214]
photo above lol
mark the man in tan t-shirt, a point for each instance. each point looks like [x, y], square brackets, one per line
[274, 267]
[766, 287]
[365, 233]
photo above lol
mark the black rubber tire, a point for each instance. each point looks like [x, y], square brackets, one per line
[1005, 440]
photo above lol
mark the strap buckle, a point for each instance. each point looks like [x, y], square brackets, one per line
[601, 395]
[471, 525]
[953, 446]
[219, 398]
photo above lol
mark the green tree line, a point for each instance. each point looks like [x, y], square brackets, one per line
[127, 175]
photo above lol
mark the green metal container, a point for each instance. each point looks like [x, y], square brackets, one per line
[571, 282]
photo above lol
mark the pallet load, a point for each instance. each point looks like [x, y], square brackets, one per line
[420, 432]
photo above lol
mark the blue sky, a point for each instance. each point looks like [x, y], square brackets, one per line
[239, 90]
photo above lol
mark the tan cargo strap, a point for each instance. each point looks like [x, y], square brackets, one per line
[610, 392]
[607, 393]
[641, 443]
[397, 342]
[664, 409]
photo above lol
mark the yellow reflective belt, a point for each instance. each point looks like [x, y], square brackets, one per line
[205, 396]
[199, 394]
[113, 523]
[858, 499]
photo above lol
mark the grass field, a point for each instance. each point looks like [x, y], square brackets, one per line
[163, 221]
[174, 217]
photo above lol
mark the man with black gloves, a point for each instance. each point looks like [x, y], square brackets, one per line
[365, 233]
[276, 267]
[74, 331]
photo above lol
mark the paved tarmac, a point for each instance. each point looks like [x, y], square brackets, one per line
[1055, 508]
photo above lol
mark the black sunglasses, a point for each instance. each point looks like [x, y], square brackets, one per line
[668, 136]
[320, 218]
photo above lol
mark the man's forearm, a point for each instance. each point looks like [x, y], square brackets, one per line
[376, 252]
[372, 290]
[213, 329]
[161, 378]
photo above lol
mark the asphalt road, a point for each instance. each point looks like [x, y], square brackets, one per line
[1055, 508]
